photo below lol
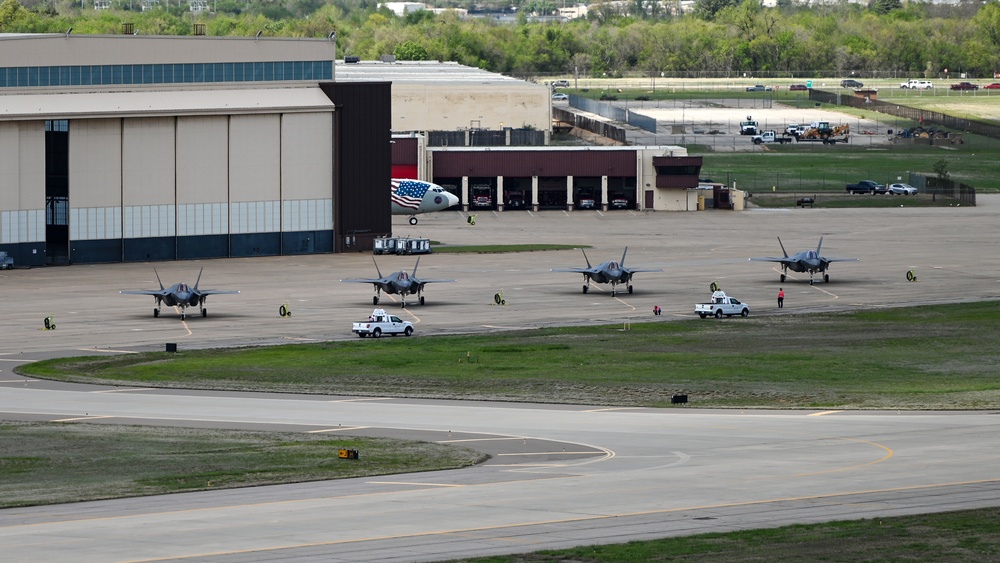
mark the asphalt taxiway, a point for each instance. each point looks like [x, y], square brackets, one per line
[559, 475]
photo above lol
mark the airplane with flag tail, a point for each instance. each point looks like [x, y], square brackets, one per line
[412, 197]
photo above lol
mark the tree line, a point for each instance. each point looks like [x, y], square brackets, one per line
[648, 37]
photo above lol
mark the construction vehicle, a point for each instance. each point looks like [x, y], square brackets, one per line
[823, 132]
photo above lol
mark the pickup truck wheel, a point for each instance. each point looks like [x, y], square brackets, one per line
[718, 313]
[376, 333]
[408, 331]
[361, 335]
[702, 315]
[744, 312]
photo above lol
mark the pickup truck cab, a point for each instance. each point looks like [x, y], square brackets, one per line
[770, 137]
[915, 84]
[722, 304]
[379, 323]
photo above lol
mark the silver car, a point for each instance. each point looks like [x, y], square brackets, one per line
[902, 189]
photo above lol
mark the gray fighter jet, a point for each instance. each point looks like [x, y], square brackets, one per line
[611, 272]
[398, 283]
[805, 261]
[179, 295]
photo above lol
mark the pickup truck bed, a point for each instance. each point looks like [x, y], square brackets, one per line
[721, 304]
[380, 323]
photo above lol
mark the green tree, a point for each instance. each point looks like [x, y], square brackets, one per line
[410, 51]
[883, 7]
[11, 12]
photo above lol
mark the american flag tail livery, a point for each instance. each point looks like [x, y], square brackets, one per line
[408, 193]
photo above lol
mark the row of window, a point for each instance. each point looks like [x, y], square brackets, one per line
[87, 75]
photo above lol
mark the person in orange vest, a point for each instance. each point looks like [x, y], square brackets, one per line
[781, 298]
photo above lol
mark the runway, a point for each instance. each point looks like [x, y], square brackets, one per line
[560, 475]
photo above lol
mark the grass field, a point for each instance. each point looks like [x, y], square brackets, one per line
[935, 357]
[970, 536]
[46, 463]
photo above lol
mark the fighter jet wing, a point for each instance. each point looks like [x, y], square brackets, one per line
[771, 259]
[367, 280]
[841, 259]
[217, 291]
[576, 270]
[161, 292]
[634, 270]
[423, 281]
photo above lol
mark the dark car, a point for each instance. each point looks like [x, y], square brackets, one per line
[964, 86]
[795, 87]
[619, 203]
[851, 83]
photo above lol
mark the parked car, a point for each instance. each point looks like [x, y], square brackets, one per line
[851, 83]
[795, 87]
[915, 84]
[585, 203]
[619, 203]
[560, 83]
[902, 189]
[758, 88]
[964, 86]
[560, 97]
[994, 86]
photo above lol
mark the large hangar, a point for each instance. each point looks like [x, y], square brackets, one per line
[123, 148]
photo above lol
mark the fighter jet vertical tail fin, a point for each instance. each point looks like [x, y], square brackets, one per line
[197, 281]
[415, 266]
[585, 258]
[377, 271]
[623, 257]
[782, 248]
[158, 278]
[818, 246]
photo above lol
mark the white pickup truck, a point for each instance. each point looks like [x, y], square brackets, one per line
[380, 323]
[722, 304]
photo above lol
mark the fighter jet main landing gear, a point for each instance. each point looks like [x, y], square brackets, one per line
[413, 220]
[630, 290]
[156, 312]
[826, 278]
[421, 299]
[586, 288]
[375, 300]
[782, 278]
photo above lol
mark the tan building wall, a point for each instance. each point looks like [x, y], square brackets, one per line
[22, 163]
[451, 107]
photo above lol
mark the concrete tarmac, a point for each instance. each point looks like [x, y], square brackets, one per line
[560, 475]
